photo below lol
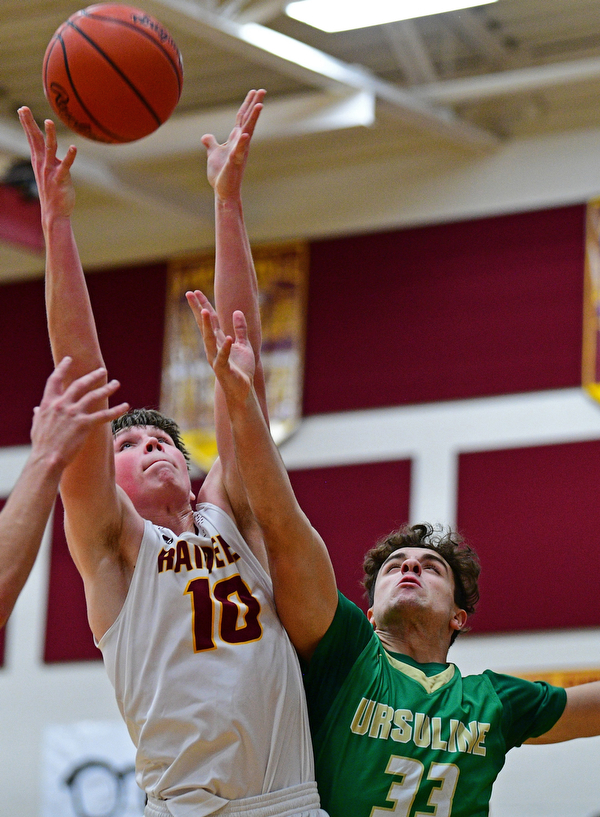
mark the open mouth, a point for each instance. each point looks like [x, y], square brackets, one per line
[410, 582]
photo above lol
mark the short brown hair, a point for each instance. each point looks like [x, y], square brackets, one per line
[450, 545]
[151, 417]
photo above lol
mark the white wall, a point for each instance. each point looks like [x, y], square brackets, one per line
[528, 174]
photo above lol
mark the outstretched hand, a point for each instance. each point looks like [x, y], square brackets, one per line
[231, 359]
[66, 415]
[53, 176]
[226, 162]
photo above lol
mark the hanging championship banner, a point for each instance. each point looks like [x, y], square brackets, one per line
[591, 302]
[187, 385]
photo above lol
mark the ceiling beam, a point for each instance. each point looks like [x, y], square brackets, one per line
[521, 80]
[306, 64]
[471, 27]
[410, 52]
[283, 117]
[262, 12]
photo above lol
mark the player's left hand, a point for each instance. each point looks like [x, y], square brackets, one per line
[67, 413]
[52, 175]
[226, 162]
[231, 359]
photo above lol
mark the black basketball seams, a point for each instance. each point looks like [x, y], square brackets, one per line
[98, 124]
[123, 76]
[175, 66]
[47, 56]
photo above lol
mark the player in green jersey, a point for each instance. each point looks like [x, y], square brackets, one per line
[415, 736]
[396, 729]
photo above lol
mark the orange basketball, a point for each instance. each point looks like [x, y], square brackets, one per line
[112, 73]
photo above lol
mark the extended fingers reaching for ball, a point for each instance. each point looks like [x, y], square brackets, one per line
[248, 114]
[226, 162]
[232, 359]
[52, 175]
[198, 301]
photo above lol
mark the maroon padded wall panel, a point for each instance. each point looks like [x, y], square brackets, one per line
[129, 305]
[413, 315]
[68, 636]
[429, 313]
[25, 362]
[352, 506]
[446, 312]
[533, 516]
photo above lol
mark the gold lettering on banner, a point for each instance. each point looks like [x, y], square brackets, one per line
[187, 384]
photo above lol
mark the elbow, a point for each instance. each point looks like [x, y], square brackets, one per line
[5, 611]
[9, 592]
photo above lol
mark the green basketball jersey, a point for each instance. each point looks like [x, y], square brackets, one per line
[394, 738]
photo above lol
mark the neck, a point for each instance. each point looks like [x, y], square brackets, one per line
[419, 644]
[179, 520]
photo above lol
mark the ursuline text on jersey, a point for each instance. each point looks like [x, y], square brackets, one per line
[382, 721]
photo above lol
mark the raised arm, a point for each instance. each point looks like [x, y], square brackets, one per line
[70, 319]
[302, 574]
[235, 284]
[235, 278]
[101, 524]
[581, 718]
[60, 426]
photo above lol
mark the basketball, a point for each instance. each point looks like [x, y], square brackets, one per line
[112, 73]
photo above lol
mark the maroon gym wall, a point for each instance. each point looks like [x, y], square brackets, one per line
[424, 314]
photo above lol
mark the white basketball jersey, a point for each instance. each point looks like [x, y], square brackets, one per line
[205, 676]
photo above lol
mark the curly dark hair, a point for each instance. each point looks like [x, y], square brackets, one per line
[462, 559]
[150, 417]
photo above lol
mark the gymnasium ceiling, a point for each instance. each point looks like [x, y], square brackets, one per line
[456, 85]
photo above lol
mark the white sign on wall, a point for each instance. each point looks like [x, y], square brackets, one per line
[88, 771]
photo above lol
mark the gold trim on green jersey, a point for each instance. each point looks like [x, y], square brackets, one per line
[429, 683]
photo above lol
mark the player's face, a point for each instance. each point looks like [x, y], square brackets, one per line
[147, 461]
[414, 579]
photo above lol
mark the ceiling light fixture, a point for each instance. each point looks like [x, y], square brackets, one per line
[343, 15]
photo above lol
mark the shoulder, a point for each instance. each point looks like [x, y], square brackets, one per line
[337, 658]
[244, 531]
[510, 687]
[211, 519]
[348, 634]
[213, 489]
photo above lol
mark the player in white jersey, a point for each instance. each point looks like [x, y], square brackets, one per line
[206, 593]
[190, 648]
